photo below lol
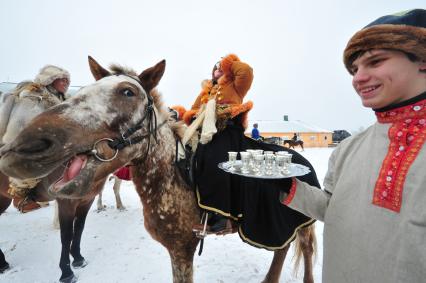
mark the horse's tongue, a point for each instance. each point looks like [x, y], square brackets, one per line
[74, 167]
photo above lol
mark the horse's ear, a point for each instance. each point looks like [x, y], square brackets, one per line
[152, 76]
[97, 70]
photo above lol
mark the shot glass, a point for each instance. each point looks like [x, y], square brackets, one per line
[232, 157]
[269, 163]
[287, 165]
[281, 152]
[245, 160]
[289, 157]
[258, 164]
[280, 161]
[252, 154]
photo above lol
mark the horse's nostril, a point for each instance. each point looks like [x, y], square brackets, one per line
[34, 146]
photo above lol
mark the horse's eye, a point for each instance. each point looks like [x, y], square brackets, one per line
[127, 92]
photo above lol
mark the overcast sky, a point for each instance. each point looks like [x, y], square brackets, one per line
[294, 47]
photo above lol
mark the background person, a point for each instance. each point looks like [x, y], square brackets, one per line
[51, 83]
[55, 79]
[255, 132]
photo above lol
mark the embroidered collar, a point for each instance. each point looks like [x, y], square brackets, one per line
[412, 108]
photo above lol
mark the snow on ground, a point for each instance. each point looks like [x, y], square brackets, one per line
[119, 249]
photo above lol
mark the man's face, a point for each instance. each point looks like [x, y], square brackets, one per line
[386, 77]
[61, 85]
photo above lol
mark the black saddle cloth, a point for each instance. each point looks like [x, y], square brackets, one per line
[263, 221]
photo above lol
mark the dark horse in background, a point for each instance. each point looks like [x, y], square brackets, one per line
[4, 203]
[293, 143]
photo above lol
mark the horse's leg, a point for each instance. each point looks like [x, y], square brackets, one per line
[80, 220]
[5, 199]
[3, 263]
[116, 188]
[100, 206]
[306, 245]
[301, 144]
[56, 216]
[4, 203]
[182, 264]
[274, 272]
[66, 220]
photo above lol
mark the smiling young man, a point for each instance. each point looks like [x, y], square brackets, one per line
[374, 199]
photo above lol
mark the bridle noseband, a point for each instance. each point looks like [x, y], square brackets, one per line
[126, 138]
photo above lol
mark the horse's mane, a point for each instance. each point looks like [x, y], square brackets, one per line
[117, 69]
[178, 127]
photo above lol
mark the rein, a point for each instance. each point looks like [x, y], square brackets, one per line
[126, 138]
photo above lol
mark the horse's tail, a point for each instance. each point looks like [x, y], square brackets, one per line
[304, 239]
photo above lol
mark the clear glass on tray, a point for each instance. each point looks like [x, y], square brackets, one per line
[245, 160]
[232, 158]
[258, 164]
[269, 163]
[263, 164]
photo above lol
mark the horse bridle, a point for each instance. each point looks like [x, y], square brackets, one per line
[125, 139]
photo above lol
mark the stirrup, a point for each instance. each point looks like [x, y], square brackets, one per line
[201, 234]
[203, 229]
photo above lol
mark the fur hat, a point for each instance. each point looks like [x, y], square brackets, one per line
[49, 73]
[405, 31]
[226, 63]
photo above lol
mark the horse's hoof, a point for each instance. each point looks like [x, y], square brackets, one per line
[121, 208]
[4, 267]
[100, 209]
[79, 263]
[70, 279]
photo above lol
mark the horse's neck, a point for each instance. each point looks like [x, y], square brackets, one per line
[155, 172]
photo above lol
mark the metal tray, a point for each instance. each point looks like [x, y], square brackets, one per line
[295, 170]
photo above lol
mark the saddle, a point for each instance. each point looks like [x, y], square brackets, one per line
[186, 168]
[186, 165]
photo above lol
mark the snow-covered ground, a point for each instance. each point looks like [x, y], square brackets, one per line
[119, 249]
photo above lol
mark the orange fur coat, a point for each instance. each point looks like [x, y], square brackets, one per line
[229, 92]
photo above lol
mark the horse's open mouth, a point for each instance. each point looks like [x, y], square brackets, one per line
[72, 169]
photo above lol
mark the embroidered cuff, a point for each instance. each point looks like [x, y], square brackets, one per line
[292, 192]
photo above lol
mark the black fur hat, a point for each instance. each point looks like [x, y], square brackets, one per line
[405, 31]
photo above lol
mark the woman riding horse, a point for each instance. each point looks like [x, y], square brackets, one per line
[250, 203]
